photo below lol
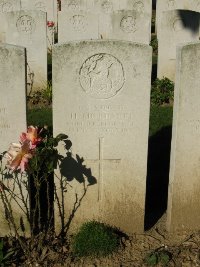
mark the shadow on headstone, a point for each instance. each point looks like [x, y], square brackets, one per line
[157, 176]
[70, 169]
[190, 20]
[42, 200]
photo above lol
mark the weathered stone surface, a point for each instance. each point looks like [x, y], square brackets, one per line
[184, 195]
[12, 110]
[78, 25]
[28, 29]
[176, 27]
[102, 93]
[131, 26]
[77, 5]
[165, 5]
[49, 6]
[141, 6]
[6, 6]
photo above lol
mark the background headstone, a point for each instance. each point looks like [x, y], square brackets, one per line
[141, 6]
[28, 29]
[165, 5]
[131, 26]
[77, 5]
[184, 183]
[78, 25]
[7, 6]
[102, 92]
[178, 26]
[49, 6]
[12, 109]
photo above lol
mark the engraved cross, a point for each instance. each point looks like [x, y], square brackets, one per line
[100, 162]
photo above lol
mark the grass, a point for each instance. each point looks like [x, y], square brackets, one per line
[159, 117]
[95, 239]
[40, 117]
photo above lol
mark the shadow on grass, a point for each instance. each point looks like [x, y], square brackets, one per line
[157, 176]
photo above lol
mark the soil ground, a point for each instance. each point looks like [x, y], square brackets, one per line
[183, 247]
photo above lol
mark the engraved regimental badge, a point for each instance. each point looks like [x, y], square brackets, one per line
[102, 76]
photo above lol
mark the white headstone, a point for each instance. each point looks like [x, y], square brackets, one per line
[76, 5]
[106, 6]
[49, 6]
[184, 183]
[176, 27]
[28, 29]
[13, 94]
[131, 26]
[141, 6]
[41, 5]
[102, 92]
[12, 112]
[104, 10]
[78, 25]
[6, 6]
[165, 5]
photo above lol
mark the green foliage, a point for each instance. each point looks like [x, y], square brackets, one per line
[46, 93]
[35, 98]
[160, 117]
[154, 44]
[162, 91]
[95, 239]
[46, 154]
[159, 256]
[5, 256]
[43, 96]
[40, 116]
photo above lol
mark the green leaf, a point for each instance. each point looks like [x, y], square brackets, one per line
[1, 255]
[8, 254]
[164, 258]
[152, 259]
[1, 244]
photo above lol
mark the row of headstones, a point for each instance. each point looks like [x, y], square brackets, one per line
[92, 18]
[49, 6]
[24, 23]
[28, 28]
[102, 101]
[111, 19]
[126, 25]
